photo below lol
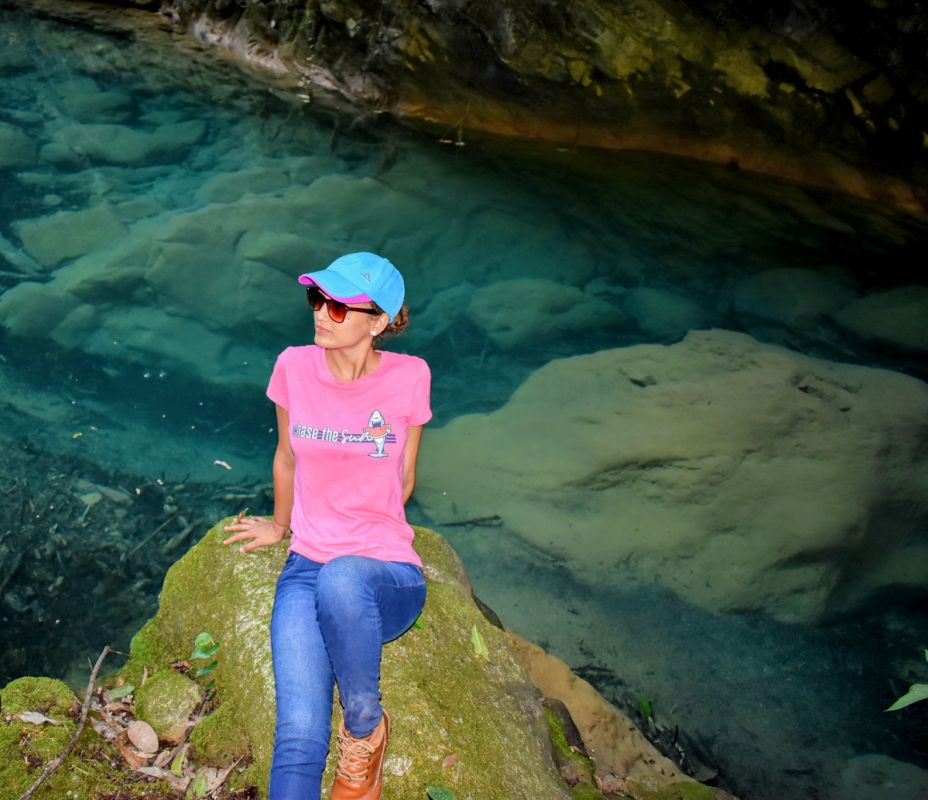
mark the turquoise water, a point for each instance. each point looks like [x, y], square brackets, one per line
[147, 276]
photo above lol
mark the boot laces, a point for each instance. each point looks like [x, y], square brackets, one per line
[354, 758]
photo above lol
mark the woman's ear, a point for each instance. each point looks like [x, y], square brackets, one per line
[379, 324]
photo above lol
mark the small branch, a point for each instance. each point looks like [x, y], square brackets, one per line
[57, 762]
[148, 538]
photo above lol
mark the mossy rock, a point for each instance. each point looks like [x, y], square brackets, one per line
[220, 739]
[444, 699]
[45, 695]
[166, 702]
[94, 768]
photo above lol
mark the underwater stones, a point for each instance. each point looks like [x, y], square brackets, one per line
[17, 150]
[145, 332]
[444, 309]
[791, 297]
[34, 309]
[122, 145]
[659, 312]
[229, 187]
[513, 313]
[897, 318]
[94, 105]
[874, 776]
[290, 254]
[742, 476]
[68, 234]
[166, 702]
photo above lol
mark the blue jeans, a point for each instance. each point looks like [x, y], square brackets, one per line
[329, 624]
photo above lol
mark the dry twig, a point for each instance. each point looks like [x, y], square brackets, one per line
[57, 762]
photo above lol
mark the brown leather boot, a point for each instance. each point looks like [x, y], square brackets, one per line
[360, 763]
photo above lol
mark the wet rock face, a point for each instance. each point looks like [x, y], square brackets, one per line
[803, 90]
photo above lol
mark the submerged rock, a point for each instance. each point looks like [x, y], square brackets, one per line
[791, 297]
[514, 313]
[126, 146]
[742, 476]
[895, 319]
[17, 150]
[68, 234]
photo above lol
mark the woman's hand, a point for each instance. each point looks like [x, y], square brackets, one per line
[259, 531]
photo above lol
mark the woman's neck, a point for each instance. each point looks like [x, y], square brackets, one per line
[350, 364]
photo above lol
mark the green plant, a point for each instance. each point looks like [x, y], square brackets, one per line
[440, 793]
[917, 691]
[205, 648]
[645, 708]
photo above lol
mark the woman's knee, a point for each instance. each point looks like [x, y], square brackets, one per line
[344, 583]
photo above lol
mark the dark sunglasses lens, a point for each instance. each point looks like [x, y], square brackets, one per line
[315, 298]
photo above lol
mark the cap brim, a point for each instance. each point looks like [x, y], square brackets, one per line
[335, 286]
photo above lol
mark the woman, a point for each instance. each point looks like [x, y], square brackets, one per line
[349, 422]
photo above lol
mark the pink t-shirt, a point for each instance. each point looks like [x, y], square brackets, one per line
[349, 439]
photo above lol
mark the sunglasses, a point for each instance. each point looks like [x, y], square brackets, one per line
[336, 308]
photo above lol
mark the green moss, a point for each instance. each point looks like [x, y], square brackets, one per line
[219, 739]
[684, 790]
[94, 766]
[584, 768]
[146, 653]
[46, 695]
[166, 702]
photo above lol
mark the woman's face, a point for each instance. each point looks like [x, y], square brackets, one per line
[355, 329]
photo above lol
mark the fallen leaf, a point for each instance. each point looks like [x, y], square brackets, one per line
[118, 692]
[143, 736]
[133, 758]
[35, 718]
[180, 784]
[480, 647]
[450, 761]
[177, 764]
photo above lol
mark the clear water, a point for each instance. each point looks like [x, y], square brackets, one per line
[167, 377]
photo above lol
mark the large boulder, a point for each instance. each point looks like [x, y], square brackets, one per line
[743, 476]
[444, 698]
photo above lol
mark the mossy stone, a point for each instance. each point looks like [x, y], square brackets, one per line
[219, 739]
[46, 695]
[94, 768]
[166, 702]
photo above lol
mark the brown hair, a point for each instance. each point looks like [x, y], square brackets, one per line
[396, 326]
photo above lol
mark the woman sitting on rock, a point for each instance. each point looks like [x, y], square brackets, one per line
[349, 422]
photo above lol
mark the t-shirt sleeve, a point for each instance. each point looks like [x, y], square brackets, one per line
[421, 411]
[277, 386]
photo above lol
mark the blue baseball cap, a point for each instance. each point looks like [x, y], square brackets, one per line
[361, 278]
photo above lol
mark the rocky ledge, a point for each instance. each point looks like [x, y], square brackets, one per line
[818, 92]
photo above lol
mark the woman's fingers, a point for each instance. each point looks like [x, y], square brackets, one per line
[238, 536]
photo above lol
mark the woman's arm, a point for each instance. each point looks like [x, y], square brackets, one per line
[283, 472]
[413, 437]
[263, 532]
